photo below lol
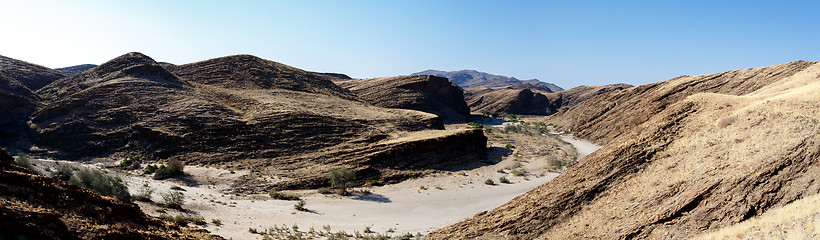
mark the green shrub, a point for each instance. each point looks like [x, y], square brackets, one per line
[216, 222]
[283, 196]
[173, 199]
[129, 162]
[63, 172]
[489, 182]
[519, 172]
[375, 183]
[300, 206]
[150, 169]
[509, 146]
[23, 160]
[102, 184]
[324, 190]
[174, 168]
[503, 180]
[341, 178]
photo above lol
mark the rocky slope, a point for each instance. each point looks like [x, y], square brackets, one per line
[17, 102]
[33, 206]
[471, 78]
[31, 75]
[713, 151]
[573, 96]
[508, 100]
[287, 125]
[425, 93]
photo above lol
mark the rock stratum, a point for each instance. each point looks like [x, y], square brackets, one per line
[683, 157]
[286, 125]
[425, 93]
[33, 206]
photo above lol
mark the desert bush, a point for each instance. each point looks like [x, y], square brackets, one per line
[174, 168]
[519, 172]
[150, 169]
[144, 193]
[375, 183]
[324, 190]
[216, 222]
[129, 162]
[509, 146]
[63, 172]
[173, 199]
[283, 196]
[300, 205]
[341, 178]
[23, 160]
[100, 183]
[184, 219]
[489, 182]
[503, 180]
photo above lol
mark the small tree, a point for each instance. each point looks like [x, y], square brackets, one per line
[341, 178]
[173, 199]
[23, 160]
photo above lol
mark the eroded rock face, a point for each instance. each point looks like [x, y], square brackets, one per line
[508, 100]
[701, 162]
[237, 112]
[30, 75]
[38, 207]
[17, 102]
[425, 93]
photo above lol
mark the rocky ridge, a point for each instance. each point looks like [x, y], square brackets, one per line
[425, 93]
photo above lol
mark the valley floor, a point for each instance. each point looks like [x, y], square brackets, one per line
[415, 206]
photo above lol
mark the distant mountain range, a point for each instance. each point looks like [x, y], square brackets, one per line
[470, 78]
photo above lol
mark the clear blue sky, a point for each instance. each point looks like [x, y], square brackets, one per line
[569, 43]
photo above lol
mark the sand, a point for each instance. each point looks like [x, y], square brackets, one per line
[413, 206]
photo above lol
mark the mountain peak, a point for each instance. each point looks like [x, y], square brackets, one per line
[469, 78]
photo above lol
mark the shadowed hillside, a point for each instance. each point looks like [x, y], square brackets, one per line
[708, 152]
[471, 78]
[530, 99]
[38, 207]
[16, 103]
[425, 93]
[240, 112]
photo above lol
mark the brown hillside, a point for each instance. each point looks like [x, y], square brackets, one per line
[33, 206]
[573, 96]
[609, 115]
[16, 103]
[700, 163]
[508, 100]
[425, 93]
[238, 112]
[31, 75]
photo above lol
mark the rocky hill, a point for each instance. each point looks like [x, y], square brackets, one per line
[17, 102]
[471, 78]
[287, 125]
[31, 75]
[508, 100]
[705, 152]
[573, 96]
[76, 69]
[38, 207]
[425, 93]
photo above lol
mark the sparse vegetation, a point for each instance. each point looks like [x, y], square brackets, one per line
[63, 172]
[489, 182]
[474, 125]
[100, 183]
[129, 162]
[184, 219]
[216, 222]
[375, 183]
[519, 172]
[23, 160]
[503, 180]
[324, 190]
[283, 196]
[174, 168]
[144, 193]
[300, 206]
[173, 199]
[509, 146]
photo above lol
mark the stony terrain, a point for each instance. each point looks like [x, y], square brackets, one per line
[31, 75]
[240, 112]
[76, 69]
[471, 78]
[701, 163]
[17, 102]
[33, 206]
[425, 93]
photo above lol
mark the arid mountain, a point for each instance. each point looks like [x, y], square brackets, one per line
[685, 156]
[470, 78]
[507, 100]
[76, 69]
[425, 93]
[31, 75]
[38, 207]
[337, 75]
[17, 102]
[240, 112]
